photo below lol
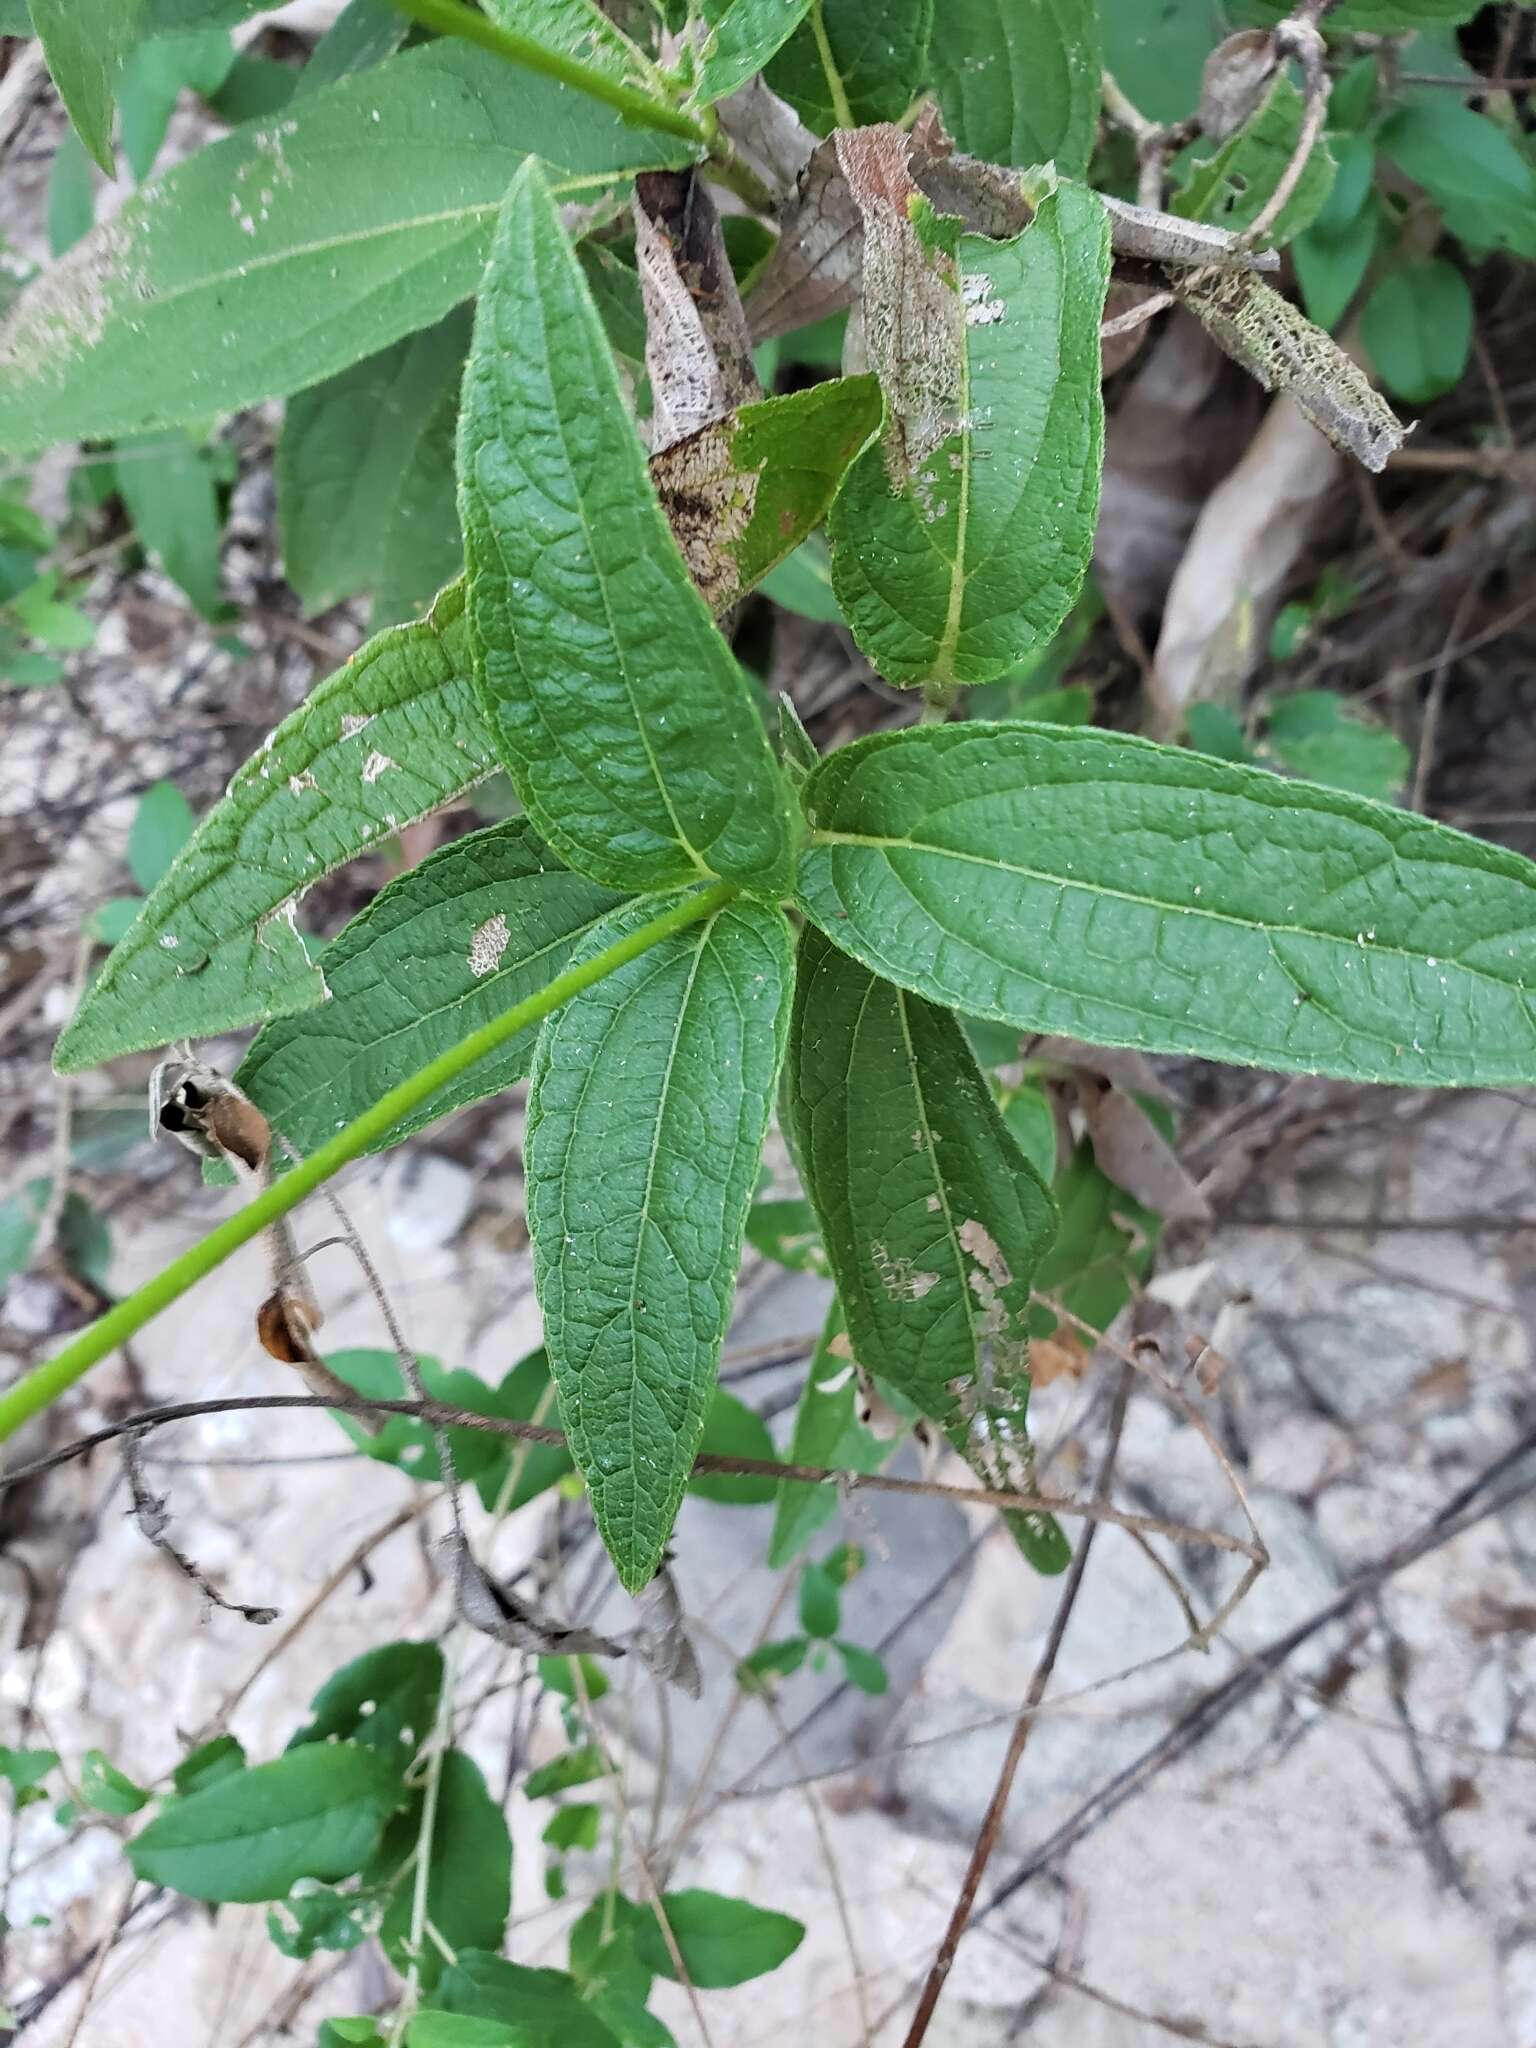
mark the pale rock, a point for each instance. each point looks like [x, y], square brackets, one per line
[1519, 1988]
[429, 1200]
[1299, 1455]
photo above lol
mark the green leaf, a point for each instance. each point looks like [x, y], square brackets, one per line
[863, 1668]
[1331, 268]
[469, 1870]
[412, 1445]
[218, 1758]
[527, 1394]
[615, 289]
[1100, 887]
[391, 736]
[820, 1603]
[167, 487]
[1019, 80]
[365, 489]
[84, 1238]
[154, 79]
[827, 1432]
[104, 1786]
[579, 29]
[541, 2007]
[1379, 17]
[876, 61]
[787, 1232]
[385, 1700]
[557, 1675]
[161, 827]
[1417, 329]
[370, 204]
[733, 1430]
[440, 950]
[1158, 51]
[803, 583]
[71, 194]
[350, 2032]
[362, 35]
[737, 37]
[1104, 1242]
[321, 1920]
[743, 493]
[722, 1941]
[316, 1812]
[575, 1767]
[1474, 170]
[253, 88]
[85, 43]
[1032, 1122]
[933, 1220]
[459, 2030]
[574, 1827]
[651, 1096]
[25, 1769]
[981, 556]
[1313, 734]
[621, 713]
[50, 618]
[1213, 729]
[772, 1660]
[1230, 188]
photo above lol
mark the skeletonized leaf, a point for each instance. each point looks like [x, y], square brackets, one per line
[742, 494]
[85, 43]
[620, 711]
[698, 353]
[978, 553]
[389, 737]
[369, 205]
[365, 487]
[651, 1095]
[812, 270]
[1019, 80]
[1105, 888]
[876, 61]
[1282, 349]
[933, 1219]
[442, 949]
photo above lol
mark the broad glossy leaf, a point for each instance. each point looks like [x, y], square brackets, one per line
[315, 1812]
[294, 246]
[384, 1700]
[980, 556]
[542, 2006]
[442, 949]
[827, 1432]
[1019, 80]
[388, 738]
[621, 713]
[1107, 889]
[722, 1941]
[651, 1096]
[742, 494]
[85, 43]
[878, 53]
[933, 1219]
[737, 37]
[1229, 188]
[365, 487]
[106, 1788]
[469, 1870]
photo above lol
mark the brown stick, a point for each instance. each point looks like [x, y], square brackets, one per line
[986, 1840]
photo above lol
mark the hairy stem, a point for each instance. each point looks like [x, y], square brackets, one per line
[42, 1386]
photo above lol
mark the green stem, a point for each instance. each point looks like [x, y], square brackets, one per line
[645, 110]
[842, 112]
[39, 1388]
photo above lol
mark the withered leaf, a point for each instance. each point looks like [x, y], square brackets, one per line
[1130, 1148]
[494, 1612]
[698, 353]
[661, 1640]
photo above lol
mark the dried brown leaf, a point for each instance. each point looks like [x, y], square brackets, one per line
[1234, 80]
[661, 1640]
[494, 1612]
[1129, 1147]
[698, 352]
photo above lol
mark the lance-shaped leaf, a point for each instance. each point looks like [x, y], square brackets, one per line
[85, 43]
[1232, 186]
[743, 493]
[365, 485]
[962, 546]
[439, 952]
[651, 1095]
[737, 37]
[295, 246]
[1019, 80]
[867, 63]
[385, 740]
[620, 711]
[1104, 888]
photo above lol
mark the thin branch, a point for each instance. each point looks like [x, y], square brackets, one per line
[1298, 37]
[153, 1518]
[986, 1840]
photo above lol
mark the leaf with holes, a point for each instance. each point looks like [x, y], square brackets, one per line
[368, 204]
[955, 567]
[651, 1095]
[621, 713]
[1230, 188]
[1108, 889]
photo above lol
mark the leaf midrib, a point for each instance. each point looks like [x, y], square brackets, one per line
[1269, 931]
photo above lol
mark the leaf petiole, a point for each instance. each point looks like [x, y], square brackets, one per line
[39, 1388]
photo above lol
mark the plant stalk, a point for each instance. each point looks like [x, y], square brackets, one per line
[38, 1389]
